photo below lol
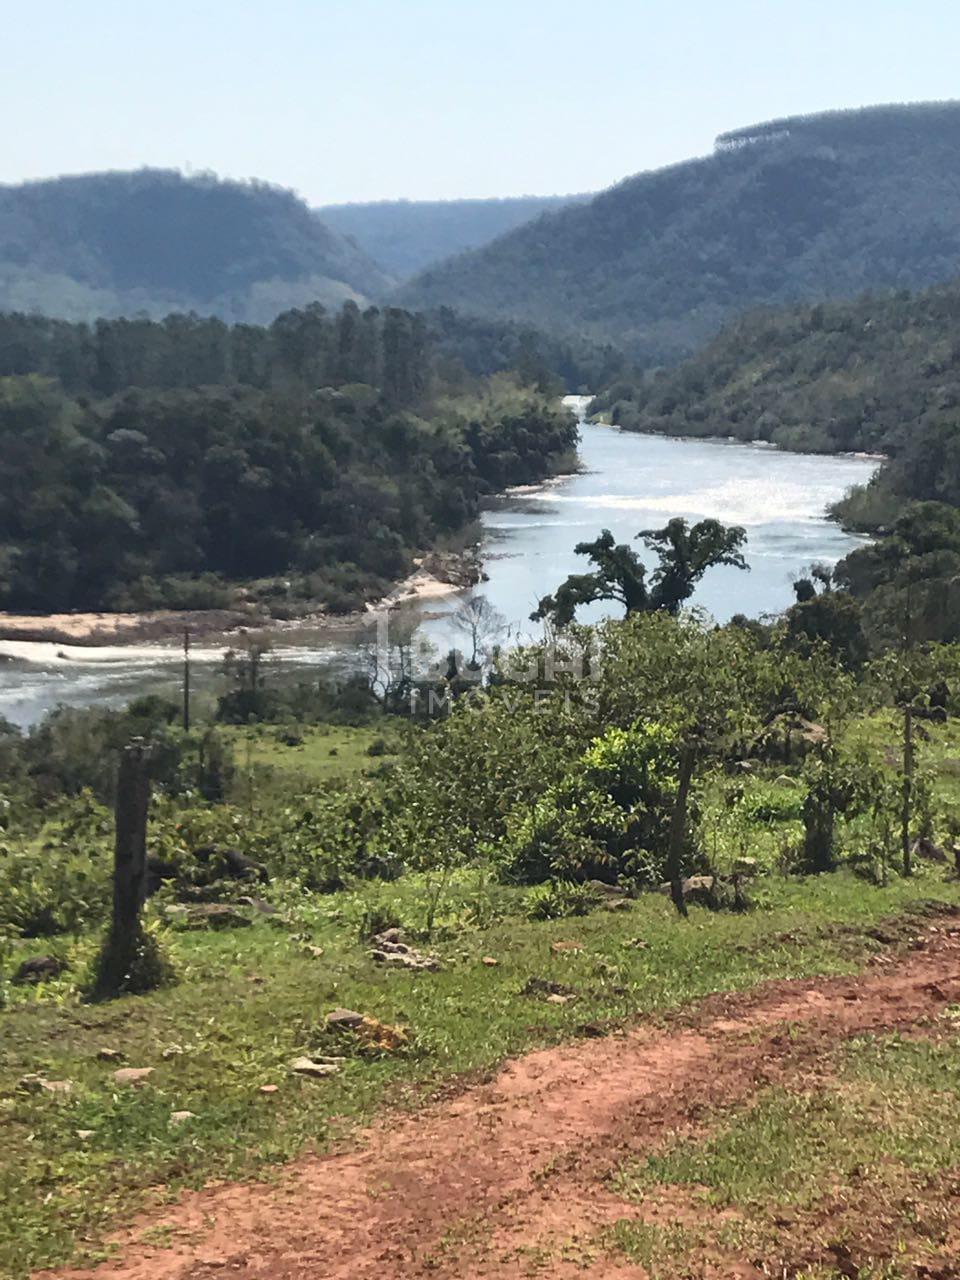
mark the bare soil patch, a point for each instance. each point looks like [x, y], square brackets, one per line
[508, 1178]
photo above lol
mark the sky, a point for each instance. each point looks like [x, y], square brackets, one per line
[434, 99]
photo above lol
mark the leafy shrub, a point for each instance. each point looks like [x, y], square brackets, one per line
[559, 899]
[609, 817]
[149, 969]
[768, 802]
[50, 887]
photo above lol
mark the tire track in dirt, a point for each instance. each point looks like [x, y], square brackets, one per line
[464, 1186]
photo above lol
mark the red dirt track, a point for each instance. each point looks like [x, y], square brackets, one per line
[469, 1186]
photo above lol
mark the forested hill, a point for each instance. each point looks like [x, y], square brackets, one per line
[155, 241]
[147, 464]
[878, 374]
[805, 209]
[405, 236]
[861, 375]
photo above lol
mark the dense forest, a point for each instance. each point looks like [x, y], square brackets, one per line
[872, 374]
[148, 464]
[310, 347]
[155, 241]
[880, 374]
[806, 209]
[404, 236]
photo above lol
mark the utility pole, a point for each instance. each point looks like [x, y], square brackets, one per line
[186, 679]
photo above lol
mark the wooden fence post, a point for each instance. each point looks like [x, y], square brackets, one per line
[129, 868]
[678, 828]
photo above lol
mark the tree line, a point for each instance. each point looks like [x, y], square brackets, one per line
[147, 464]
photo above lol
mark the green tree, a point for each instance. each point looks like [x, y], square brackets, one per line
[686, 553]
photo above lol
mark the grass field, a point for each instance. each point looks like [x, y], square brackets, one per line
[250, 1001]
[862, 1159]
[308, 754]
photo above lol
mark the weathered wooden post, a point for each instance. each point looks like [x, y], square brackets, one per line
[129, 869]
[678, 828]
[906, 805]
[130, 847]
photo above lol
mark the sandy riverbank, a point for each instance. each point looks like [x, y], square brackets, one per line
[429, 581]
[96, 629]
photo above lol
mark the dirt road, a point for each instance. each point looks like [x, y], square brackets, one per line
[513, 1170]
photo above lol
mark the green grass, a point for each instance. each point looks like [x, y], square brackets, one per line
[880, 1134]
[249, 1001]
[323, 753]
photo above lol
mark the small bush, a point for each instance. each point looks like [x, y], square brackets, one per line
[560, 899]
[147, 968]
[48, 887]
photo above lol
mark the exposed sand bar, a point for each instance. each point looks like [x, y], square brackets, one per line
[98, 629]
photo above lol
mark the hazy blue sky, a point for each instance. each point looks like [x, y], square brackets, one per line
[368, 99]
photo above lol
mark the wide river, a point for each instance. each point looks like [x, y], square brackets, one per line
[628, 482]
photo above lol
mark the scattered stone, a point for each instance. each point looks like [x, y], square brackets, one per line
[34, 1083]
[57, 1086]
[489, 961]
[380, 1037]
[84, 1134]
[135, 1076]
[926, 849]
[39, 969]
[258, 904]
[31, 1083]
[386, 949]
[547, 988]
[344, 1020]
[554, 998]
[180, 1117]
[310, 1067]
[269, 1089]
[638, 944]
[390, 935]
[564, 948]
[109, 1055]
[208, 915]
[311, 950]
[606, 890]
[173, 1051]
[618, 904]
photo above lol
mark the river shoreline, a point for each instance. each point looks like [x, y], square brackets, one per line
[435, 577]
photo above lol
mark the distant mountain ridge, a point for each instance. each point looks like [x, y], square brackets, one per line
[155, 241]
[801, 209]
[405, 236]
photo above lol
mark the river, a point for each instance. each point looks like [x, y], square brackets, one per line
[628, 482]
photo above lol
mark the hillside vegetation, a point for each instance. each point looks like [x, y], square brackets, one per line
[148, 464]
[877, 374]
[805, 209]
[871, 374]
[404, 236]
[507, 842]
[156, 241]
